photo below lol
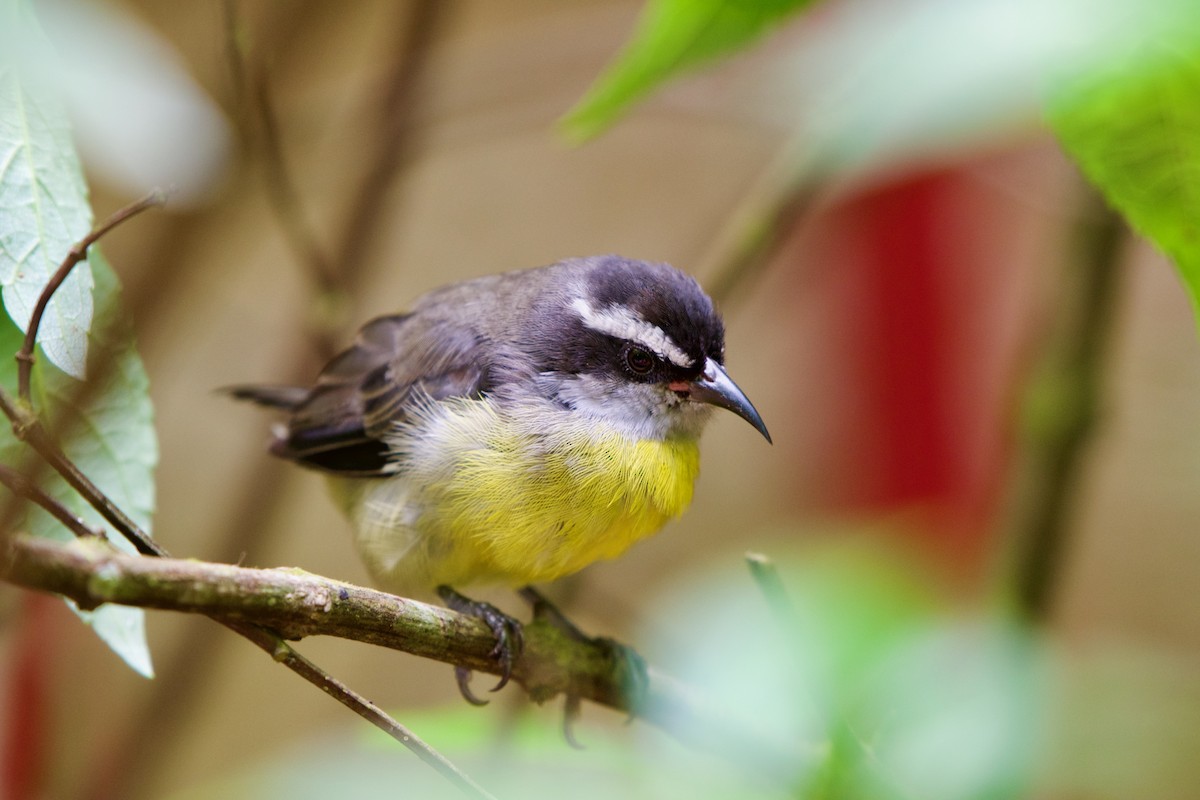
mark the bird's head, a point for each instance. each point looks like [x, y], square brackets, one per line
[639, 345]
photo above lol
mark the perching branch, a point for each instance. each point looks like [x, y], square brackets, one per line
[296, 604]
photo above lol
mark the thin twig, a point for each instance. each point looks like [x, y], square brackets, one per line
[235, 56]
[22, 486]
[131, 751]
[77, 253]
[256, 112]
[787, 190]
[334, 277]
[1057, 438]
[28, 429]
[283, 195]
[285, 654]
[787, 620]
[395, 142]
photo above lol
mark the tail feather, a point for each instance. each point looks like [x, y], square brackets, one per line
[288, 398]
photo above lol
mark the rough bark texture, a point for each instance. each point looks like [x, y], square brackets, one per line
[296, 604]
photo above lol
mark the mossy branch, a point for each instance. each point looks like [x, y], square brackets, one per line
[295, 604]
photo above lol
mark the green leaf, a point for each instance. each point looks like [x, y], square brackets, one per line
[43, 205]
[523, 757]
[123, 629]
[106, 429]
[43, 212]
[931, 79]
[1134, 131]
[108, 432]
[111, 438]
[872, 680]
[672, 36]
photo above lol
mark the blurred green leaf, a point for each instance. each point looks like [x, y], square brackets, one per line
[883, 82]
[110, 436]
[512, 756]
[883, 689]
[954, 713]
[43, 207]
[671, 36]
[1134, 131]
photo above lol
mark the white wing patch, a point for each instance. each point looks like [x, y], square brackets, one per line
[624, 324]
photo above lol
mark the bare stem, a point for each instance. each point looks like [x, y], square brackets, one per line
[27, 428]
[285, 654]
[1065, 406]
[395, 141]
[22, 486]
[333, 272]
[787, 191]
[77, 253]
[282, 192]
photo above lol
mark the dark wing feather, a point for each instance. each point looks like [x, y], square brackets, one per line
[364, 392]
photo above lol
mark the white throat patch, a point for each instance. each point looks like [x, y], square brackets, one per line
[624, 324]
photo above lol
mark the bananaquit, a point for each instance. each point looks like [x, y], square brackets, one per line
[515, 428]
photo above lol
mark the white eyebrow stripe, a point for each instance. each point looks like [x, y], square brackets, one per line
[624, 324]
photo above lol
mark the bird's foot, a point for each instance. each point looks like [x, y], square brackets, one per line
[507, 630]
[631, 670]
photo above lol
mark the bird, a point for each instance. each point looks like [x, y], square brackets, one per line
[514, 428]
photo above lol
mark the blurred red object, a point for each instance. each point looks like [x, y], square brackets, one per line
[27, 714]
[930, 355]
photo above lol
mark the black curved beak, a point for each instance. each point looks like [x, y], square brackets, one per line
[715, 387]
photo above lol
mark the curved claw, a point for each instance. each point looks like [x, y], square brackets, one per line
[463, 676]
[510, 641]
[571, 711]
[631, 670]
[510, 638]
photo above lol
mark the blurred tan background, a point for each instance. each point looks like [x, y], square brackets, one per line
[483, 184]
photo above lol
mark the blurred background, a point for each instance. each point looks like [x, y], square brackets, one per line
[900, 328]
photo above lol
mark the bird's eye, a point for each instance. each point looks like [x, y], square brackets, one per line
[639, 360]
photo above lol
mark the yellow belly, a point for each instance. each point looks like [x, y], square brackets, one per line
[521, 501]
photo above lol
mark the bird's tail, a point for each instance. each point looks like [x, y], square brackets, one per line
[288, 398]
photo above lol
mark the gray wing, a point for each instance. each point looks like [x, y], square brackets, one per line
[340, 423]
